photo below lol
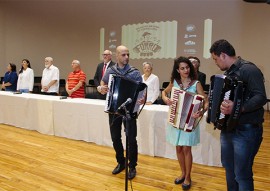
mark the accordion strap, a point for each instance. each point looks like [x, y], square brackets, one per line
[189, 85]
[131, 69]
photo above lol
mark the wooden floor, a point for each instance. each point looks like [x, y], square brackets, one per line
[30, 161]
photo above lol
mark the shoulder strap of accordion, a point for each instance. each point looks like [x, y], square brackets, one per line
[131, 69]
[235, 72]
[114, 69]
[194, 82]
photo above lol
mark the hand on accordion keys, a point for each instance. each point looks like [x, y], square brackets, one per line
[103, 89]
[198, 114]
[226, 107]
[140, 101]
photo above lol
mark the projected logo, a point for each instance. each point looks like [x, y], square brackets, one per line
[147, 44]
[159, 39]
[151, 40]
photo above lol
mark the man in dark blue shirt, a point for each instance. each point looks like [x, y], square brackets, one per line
[239, 147]
[124, 69]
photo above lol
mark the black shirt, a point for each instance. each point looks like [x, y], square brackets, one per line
[254, 94]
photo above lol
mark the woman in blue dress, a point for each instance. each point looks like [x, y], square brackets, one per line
[10, 79]
[184, 77]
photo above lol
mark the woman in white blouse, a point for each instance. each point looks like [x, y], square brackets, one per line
[26, 77]
[152, 81]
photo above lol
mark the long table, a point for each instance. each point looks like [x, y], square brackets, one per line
[85, 119]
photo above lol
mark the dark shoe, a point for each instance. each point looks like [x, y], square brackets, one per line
[119, 168]
[131, 173]
[179, 181]
[186, 186]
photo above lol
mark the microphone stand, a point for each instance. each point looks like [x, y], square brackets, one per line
[127, 118]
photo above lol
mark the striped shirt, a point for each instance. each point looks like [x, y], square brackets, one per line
[73, 79]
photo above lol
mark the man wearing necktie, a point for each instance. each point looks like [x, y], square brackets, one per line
[101, 69]
[104, 69]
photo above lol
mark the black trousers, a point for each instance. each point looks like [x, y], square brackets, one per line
[115, 129]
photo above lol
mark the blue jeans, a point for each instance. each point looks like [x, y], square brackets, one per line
[24, 90]
[238, 150]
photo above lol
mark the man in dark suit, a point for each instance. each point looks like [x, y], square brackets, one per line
[101, 69]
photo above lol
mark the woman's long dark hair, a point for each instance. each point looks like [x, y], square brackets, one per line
[176, 76]
[13, 67]
[29, 65]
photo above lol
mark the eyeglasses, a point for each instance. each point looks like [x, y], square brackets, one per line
[125, 55]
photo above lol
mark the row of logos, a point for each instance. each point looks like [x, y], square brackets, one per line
[190, 39]
[112, 40]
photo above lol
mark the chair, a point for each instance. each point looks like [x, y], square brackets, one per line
[91, 82]
[62, 82]
[1, 80]
[62, 87]
[90, 89]
[164, 85]
[37, 84]
[37, 79]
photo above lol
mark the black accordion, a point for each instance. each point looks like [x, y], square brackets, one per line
[122, 89]
[224, 88]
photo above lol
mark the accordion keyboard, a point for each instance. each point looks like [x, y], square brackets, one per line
[173, 108]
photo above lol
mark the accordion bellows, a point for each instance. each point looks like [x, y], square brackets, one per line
[224, 88]
[183, 106]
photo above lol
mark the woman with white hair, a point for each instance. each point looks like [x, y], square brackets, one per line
[152, 81]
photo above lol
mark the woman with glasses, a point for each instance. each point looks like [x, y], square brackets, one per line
[152, 82]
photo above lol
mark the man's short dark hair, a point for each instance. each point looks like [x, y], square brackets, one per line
[222, 46]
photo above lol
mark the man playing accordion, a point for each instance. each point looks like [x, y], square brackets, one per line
[122, 68]
[240, 145]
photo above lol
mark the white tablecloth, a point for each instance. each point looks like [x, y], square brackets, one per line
[85, 119]
[29, 111]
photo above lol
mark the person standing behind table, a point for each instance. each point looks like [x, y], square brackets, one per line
[196, 63]
[26, 77]
[184, 77]
[50, 78]
[10, 79]
[240, 146]
[152, 82]
[122, 66]
[101, 69]
[76, 81]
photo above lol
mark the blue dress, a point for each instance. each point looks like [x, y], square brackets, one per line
[12, 78]
[179, 137]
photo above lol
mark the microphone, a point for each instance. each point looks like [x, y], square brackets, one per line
[129, 100]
